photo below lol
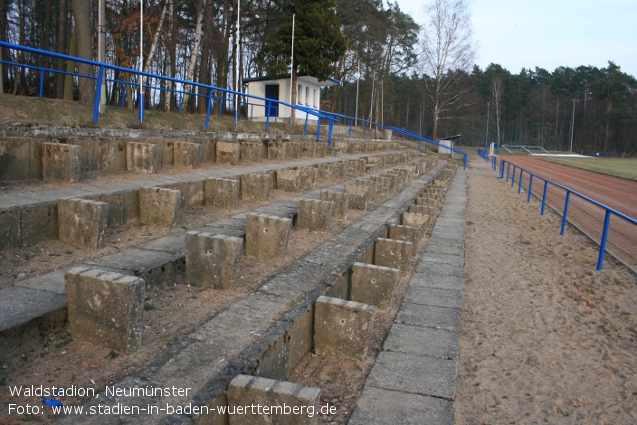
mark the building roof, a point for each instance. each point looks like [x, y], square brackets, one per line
[300, 77]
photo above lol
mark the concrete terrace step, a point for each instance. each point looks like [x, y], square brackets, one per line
[29, 217]
[36, 306]
[263, 334]
[414, 379]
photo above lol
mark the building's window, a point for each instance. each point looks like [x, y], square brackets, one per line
[299, 92]
[315, 98]
[307, 96]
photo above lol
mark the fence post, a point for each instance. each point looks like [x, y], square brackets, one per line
[513, 175]
[528, 199]
[318, 130]
[350, 127]
[267, 114]
[602, 245]
[329, 135]
[123, 95]
[568, 197]
[508, 170]
[546, 185]
[41, 83]
[306, 122]
[520, 181]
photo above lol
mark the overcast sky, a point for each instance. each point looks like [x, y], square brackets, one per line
[551, 33]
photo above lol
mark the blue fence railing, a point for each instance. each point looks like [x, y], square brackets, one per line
[483, 155]
[212, 93]
[512, 169]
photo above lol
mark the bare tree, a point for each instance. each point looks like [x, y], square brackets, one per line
[448, 53]
[497, 91]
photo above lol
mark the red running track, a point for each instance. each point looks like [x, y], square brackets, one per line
[617, 193]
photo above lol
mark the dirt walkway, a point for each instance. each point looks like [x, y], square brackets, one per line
[544, 337]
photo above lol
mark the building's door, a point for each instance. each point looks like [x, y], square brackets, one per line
[272, 92]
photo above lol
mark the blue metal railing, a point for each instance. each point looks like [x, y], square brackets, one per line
[210, 96]
[568, 192]
[483, 155]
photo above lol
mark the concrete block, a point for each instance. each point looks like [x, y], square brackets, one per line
[255, 187]
[415, 220]
[115, 203]
[192, 193]
[392, 186]
[100, 154]
[267, 236]
[273, 396]
[341, 203]
[423, 209]
[407, 234]
[371, 168]
[392, 253]
[374, 285]
[276, 151]
[314, 215]
[105, 308]
[221, 193]
[309, 177]
[336, 151]
[10, 228]
[338, 170]
[292, 150]
[325, 172]
[187, 155]
[82, 223]
[60, 162]
[228, 153]
[288, 180]
[143, 157]
[373, 187]
[342, 328]
[433, 203]
[251, 151]
[358, 196]
[383, 185]
[308, 149]
[159, 206]
[211, 260]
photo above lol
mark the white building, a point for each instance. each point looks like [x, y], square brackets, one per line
[308, 93]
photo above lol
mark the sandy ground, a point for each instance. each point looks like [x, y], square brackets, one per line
[544, 337]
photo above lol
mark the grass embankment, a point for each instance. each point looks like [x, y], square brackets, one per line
[624, 168]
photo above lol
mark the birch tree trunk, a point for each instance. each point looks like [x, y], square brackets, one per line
[195, 50]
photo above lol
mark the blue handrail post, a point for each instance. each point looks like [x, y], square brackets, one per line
[546, 185]
[465, 161]
[41, 83]
[602, 245]
[350, 127]
[508, 170]
[181, 101]
[306, 122]
[209, 108]
[520, 181]
[251, 112]
[141, 106]
[98, 95]
[329, 136]
[318, 130]
[513, 176]
[267, 114]
[124, 95]
[236, 113]
[528, 199]
[568, 197]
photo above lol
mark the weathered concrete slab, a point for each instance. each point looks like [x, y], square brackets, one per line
[288, 180]
[60, 162]
[10, 228]
[373, 285]
[422, 341]
[251, 151]
[453, 283]
[456, 260]
[50, 282]
[228, 153]
[436, 268]
[414, 374]
[221, 193]
[142, 157]
[341, 203]
[438, 297]
[393, 253]
[387, 407]
[187, 155]
[255, 187]
[105, 308]
[314, 215]
[82, 223]
[439, 248]
[342, 328]
[406, 234]
[211, 260]
[159, 206]
[435, 317]
[245, 391]
[157, 268]
[267, 236]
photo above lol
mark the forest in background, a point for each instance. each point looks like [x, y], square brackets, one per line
[377, 52]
